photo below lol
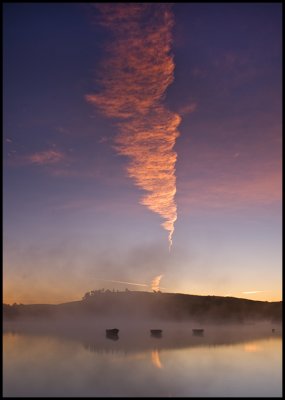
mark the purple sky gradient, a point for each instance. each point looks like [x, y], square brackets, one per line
[72, 216]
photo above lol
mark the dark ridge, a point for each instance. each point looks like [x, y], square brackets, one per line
[165, 306]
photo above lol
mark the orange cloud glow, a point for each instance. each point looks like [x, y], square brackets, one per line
[155, 282]
[134, 78]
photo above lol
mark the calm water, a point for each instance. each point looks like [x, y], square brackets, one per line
[225, 361]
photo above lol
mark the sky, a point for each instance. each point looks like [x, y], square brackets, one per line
[142, 145]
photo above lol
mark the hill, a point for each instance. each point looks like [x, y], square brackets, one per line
[166, 306]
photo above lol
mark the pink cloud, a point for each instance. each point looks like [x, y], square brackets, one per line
[237, 176]
[188, 108]
[51, 157]
[46, 157]
[103, 139]
[134, 77]
[231, 192]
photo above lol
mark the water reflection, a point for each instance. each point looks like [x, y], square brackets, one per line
[85, 364]
[198, 332]
[252, 347]
[112, 335]
[155, 359]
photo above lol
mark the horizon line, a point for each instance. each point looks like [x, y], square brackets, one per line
[148, 291]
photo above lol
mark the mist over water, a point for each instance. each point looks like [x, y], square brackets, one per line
[65, 357]
[135, 332]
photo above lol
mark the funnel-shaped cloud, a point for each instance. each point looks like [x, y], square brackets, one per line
[133, 79]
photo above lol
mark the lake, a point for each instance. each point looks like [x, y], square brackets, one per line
[68, 360]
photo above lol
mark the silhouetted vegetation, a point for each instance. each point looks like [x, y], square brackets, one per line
[167, 306]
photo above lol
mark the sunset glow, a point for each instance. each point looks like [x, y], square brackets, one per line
[122, 117]
[142, 192]
[155, 282]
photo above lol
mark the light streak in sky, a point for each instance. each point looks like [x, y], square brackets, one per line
[134, 77]
[154, 283]
[127, 283]
[253, 291]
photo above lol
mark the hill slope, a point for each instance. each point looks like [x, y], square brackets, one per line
[168, 306]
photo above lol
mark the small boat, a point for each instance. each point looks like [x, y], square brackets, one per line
[273, 330]
[156, 332]
[112, 332]
[198, 332]
[112, 336]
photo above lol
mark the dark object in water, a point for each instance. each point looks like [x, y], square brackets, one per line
[112, 334]
[273, 330]
[156, 332]
[198, 332]
[112, 331]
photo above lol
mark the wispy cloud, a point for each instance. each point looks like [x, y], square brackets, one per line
[124, 282]
[46, 157]
[188, 108]
[234, 193]
[253, 291]
[50, 157]
[236, 176]
[62, 129]
[134, 78]
[154, 284]
[103, 139]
